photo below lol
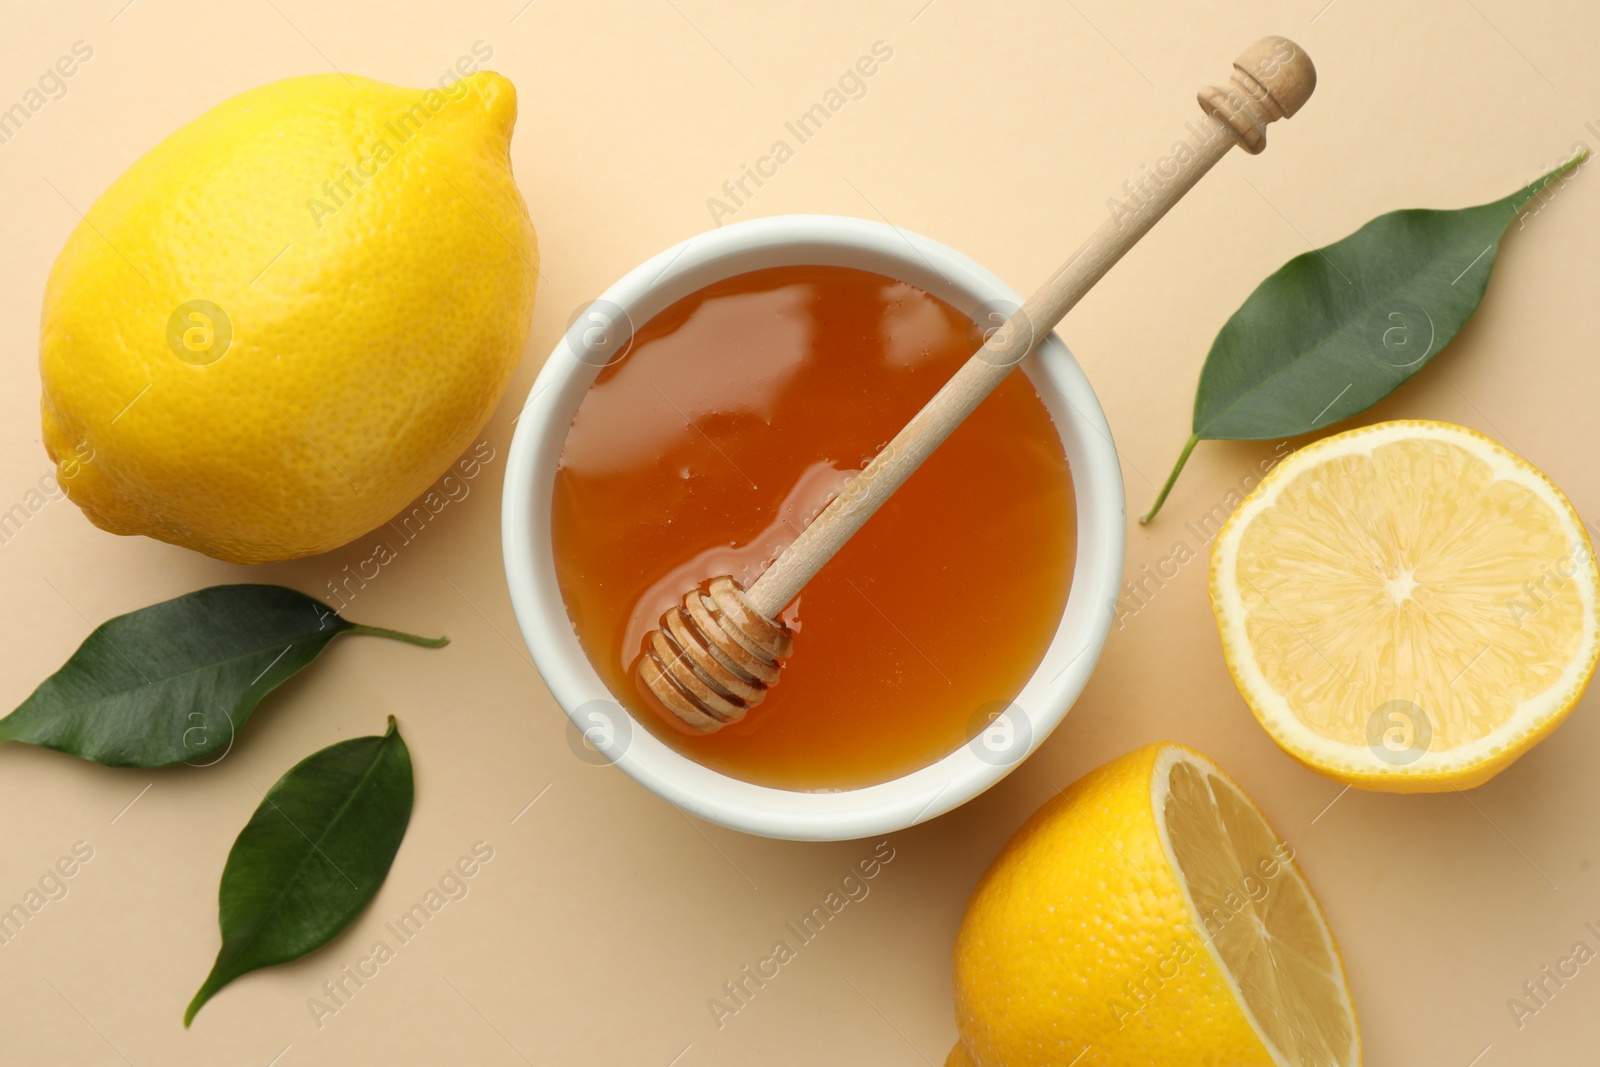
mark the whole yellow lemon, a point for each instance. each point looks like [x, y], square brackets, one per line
[286, 320]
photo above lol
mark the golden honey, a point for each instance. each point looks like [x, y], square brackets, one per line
[735, 415]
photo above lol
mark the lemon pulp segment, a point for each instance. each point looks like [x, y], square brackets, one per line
[1257, 915]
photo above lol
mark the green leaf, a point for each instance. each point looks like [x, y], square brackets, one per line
[174, 682]
[1335, 330]
[311, 857]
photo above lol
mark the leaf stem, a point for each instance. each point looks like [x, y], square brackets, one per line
[399, 635]
[1161, 498]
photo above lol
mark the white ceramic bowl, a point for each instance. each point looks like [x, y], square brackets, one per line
[530, 567]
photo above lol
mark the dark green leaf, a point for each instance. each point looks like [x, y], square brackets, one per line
[311, 857]
[1334, 331]
[174, 682]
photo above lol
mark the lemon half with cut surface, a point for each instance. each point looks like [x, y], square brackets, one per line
[1149, 914]
[1407, 606]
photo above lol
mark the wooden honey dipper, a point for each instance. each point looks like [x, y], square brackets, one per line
[715, 656]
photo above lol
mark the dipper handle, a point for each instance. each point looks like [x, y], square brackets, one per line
[1271, 80]
[716, 655]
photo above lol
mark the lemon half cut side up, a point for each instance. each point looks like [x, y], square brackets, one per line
[1408, 606]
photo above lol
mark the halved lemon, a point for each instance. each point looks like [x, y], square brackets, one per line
[1149, 915]
[1408, 606]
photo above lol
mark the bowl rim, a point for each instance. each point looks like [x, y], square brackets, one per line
[535, 450]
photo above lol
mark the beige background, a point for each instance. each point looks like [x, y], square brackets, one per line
[606, 918]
